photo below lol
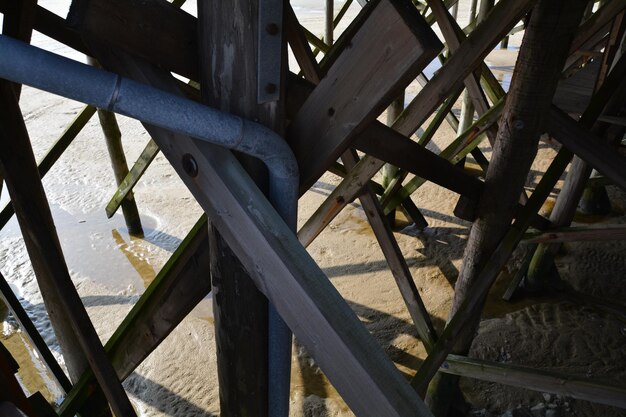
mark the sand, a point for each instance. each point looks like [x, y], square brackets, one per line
[111, 270]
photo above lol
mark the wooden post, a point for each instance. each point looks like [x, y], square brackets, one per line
[550, 31]
[389, 170]
[113, 138]
[19, 19]
[330, 26]
[229, 82]
[574, 186]
[76, 335]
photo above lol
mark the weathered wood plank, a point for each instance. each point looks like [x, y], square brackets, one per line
[388, 145]
[18, 21]
[571, 234]
[253, 342]
[593, 150]
[63, 304]
[113, 139]
[155, 30]
[581, 388]
[390, 48]
[132, 178]
[395, 260]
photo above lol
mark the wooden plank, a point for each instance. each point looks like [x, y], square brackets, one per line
[51, 25]
[132, 178]
[597, 23]
[63, 304]
[155, 30]
[55, 152]
[572, 234]
[183, 281]
[18, 21]
[395, 260]
[386, 144]
[33, 335]
[344, 194]
[571, 386]
[390, 48]
[466, 59]
[283, 270]
[593, 150]
[300, 47]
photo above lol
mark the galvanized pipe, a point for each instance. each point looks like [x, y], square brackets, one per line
[26, 64]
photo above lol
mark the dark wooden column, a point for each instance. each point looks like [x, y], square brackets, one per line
[537, 71]
[228, 42]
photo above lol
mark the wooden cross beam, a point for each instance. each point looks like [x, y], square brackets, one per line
[387, 51]
[284, 272]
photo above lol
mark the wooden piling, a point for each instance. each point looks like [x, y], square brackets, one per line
[545, 46]
[113, 139]
[229, 82]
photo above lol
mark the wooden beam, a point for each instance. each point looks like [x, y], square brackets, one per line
[571, 386]
[390, 48]
[283, 270]
[395, 260]
[55, 152]
[113, 139]
[229, 81]
[551, 29]
[132, 178]
[589, 147]
[386, 144]
[179, 286]
[154, 30]
[572, 234]
[466, 59]
[64, 306]
[33, 335]
[18, 21]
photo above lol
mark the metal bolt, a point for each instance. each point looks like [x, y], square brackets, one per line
[272, 28]
[190, 165]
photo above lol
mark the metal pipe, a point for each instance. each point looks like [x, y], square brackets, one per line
[26, 64]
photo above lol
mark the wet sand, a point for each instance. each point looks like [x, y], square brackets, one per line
[112, 269]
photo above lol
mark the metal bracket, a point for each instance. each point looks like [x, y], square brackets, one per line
[270, 50]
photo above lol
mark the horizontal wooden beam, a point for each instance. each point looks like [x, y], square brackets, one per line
[582, 388]
[571, 234]
[154, 30]
[53, 26]
[390, 146]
